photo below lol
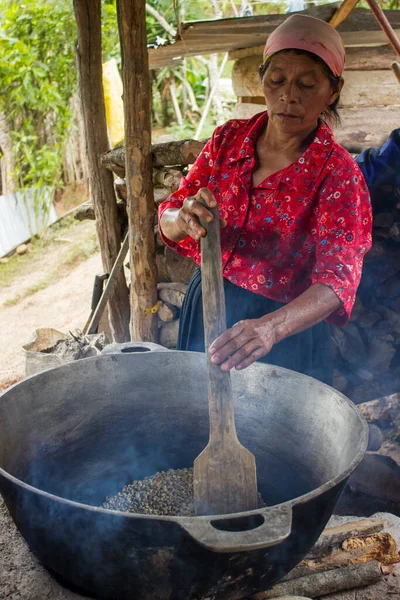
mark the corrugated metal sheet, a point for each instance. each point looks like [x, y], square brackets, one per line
[225, 35]
[19, 221]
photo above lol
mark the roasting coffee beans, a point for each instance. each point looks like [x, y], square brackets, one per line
[165, 493]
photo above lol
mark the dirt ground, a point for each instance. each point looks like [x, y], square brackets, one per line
[51, 286]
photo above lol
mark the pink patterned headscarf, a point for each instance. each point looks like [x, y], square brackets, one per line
[308, 33]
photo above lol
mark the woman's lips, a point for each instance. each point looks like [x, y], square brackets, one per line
[287, 116]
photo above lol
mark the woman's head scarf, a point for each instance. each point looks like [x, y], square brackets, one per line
[301, 32]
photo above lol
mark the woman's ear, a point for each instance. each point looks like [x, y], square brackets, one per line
[337, 93]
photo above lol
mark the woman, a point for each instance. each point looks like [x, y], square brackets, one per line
[295, 213]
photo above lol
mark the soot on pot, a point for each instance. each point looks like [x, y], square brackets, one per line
[168, 493]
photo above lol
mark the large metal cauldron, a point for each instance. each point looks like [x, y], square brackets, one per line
[75, 434]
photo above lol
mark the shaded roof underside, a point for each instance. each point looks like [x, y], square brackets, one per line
[225, 35]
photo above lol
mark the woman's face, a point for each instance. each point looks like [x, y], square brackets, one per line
[297, 91]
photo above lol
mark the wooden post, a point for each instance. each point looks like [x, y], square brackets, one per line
[88, 20]
[138, 165]
[343, 12]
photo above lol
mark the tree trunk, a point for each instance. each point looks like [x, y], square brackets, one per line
[7, 162]
[88, 19]
[140, 205]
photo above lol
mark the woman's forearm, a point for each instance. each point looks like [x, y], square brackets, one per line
[310, 308]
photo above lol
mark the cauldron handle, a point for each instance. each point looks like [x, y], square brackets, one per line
[211, 532]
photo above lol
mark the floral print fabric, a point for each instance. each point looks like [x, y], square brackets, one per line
[308, 223]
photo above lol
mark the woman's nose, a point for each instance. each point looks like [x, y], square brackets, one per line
[289, 93]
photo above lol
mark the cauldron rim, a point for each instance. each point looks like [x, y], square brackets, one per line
[325, 487]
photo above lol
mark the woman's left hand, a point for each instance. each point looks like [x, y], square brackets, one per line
[243, 344]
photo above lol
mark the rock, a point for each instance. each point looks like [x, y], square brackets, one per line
[173, 293]
[390, 288]
[339, 381]
[4, 261]
[361, 393]
[384, 220]
[392, 450]
[394, 304]
[160, 194]
[394, 232]
[367, 319]
[358, 309]
[169, 334]
[180, 268]
[22, 249]
[364, 375]
[375, 438]
[378, 476]
[384, 412]
[349, 343]
[380, 354]
[391, 318]
[167, 312]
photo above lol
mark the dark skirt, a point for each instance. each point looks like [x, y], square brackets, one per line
[308, 352]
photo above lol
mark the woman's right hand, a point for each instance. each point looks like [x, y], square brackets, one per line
[178, 224]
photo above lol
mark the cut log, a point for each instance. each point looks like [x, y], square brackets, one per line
[85, 212]
[378, 546]
[88, 19]
[327, 582]
[177, 153]
[168, 178]
[333, 537]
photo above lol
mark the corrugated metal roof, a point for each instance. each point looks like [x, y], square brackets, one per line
[225, 35]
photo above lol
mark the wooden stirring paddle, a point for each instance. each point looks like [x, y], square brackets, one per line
[224, 474]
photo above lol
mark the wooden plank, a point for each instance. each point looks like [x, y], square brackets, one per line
[88, 18]
[140, 206]
[366, 58]
[343, 12]
[369, 58]
[227, 35]
[375, 89]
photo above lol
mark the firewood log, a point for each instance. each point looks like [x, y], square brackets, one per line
[326, 582]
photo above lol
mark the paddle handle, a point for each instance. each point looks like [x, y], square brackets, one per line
[222, 421]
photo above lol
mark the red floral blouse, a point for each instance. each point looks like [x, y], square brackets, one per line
[308, 223]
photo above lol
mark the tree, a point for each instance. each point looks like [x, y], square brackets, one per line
[37, 77]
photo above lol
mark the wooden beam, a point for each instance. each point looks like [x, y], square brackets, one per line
[88, 20]
[140, 205]
[343, 12]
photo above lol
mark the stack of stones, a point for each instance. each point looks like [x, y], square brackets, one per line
[367, 349]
